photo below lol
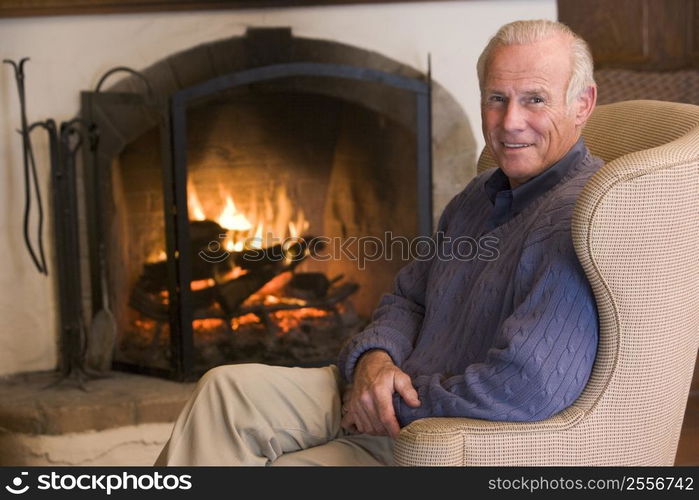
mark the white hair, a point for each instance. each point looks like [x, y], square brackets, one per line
[527, 32]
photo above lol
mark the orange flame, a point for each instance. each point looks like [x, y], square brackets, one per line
[254, 223]
[231, 219]
[196, 211]
[246, 319]
[291, 319]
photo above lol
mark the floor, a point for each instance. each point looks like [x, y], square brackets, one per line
[688, 448]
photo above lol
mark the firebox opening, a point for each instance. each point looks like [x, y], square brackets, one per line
[264, 168]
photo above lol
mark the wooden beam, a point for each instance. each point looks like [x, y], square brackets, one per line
[28, 8]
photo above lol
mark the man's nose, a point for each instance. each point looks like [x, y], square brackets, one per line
[514, 117]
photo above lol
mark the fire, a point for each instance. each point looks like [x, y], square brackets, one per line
[206, 324]
[284, 320]
[291, 319]
[257, 240]
[255, 221]
[264, 223]
[275, 285]
[231, 219]
[202, 284]
[196, 211]
[234, 273]
[156, 256]
[246, 319]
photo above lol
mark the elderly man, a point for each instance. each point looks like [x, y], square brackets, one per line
[512, 338]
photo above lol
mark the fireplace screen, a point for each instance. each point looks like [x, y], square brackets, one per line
[254, 217]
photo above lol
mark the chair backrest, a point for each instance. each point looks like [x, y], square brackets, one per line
[636, 233]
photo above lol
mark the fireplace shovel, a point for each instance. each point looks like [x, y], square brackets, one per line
[100, 345]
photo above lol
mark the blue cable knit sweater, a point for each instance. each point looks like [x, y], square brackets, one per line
[510, 335]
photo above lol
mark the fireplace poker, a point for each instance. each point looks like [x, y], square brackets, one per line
[30, 176]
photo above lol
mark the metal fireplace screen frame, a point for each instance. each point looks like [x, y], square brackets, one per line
[170, 116]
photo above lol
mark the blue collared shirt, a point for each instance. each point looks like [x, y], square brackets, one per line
[509, 202]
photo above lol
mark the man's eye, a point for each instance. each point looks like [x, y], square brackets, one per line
[536, 100]
[496, 98]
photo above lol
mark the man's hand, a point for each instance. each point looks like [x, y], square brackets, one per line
[368, 403]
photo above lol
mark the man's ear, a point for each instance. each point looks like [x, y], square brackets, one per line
[584, 105]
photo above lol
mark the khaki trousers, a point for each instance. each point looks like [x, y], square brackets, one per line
[253, 414]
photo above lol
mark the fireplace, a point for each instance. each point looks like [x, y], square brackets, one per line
[255, 214]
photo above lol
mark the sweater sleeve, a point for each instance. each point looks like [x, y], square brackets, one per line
[398, 318]
[395, 322]
[543, 353]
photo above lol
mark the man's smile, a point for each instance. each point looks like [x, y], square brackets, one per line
[516, 145]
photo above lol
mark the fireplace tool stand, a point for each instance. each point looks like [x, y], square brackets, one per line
[64, 143]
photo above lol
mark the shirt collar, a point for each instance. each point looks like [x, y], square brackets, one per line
[525, 193]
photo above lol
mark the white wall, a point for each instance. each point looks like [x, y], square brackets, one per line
[69, 54]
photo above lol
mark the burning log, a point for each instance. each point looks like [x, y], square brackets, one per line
[157, 310]
[203, 232]
[202, 235]
[336, 295]
[148, 304]
[310, 286]
[256, 258]
[154, 276]
[229, 294]
[232, 293]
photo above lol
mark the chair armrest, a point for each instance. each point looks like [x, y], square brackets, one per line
[467, 441]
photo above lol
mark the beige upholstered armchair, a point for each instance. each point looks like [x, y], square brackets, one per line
[636, 233]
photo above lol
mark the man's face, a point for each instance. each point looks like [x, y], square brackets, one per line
[527, 123]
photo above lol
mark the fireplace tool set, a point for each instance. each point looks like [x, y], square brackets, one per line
[64, 142]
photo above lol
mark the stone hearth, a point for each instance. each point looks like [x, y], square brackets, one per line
[122, 419]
